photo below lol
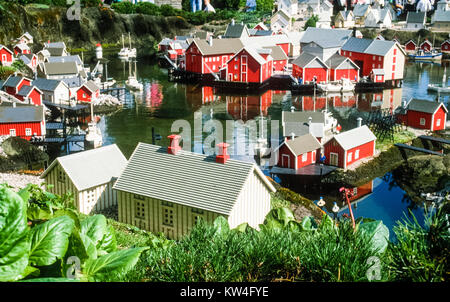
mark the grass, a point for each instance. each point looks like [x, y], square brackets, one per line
[401, 137]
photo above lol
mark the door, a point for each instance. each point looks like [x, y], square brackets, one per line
[4, 58]
[285, 161]
[334, 159]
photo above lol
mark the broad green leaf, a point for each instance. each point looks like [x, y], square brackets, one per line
[89, 246]
[35, 213]
[108, 243]
[49, 241]
[71, 213]
[25, 194]
[308, 224]
[277, 218]
[14, 243]
[294, 225]
[221, 225]
[50, 280]
[30, 271]
[327, 223]
[95, 228]
[378, 234]
[109, 266]
[242, 227]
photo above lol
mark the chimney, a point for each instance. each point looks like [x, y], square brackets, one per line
[292, 108]
[232, 22]
[309, 120]
[210, 41]
[223, 156]
[174, 146]
[358, 122]
[292, 135]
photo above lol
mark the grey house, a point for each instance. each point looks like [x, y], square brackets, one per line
[416, 20]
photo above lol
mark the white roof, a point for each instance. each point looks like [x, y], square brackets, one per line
[91, 168]
[355, 137]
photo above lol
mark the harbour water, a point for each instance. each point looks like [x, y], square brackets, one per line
[161, 103]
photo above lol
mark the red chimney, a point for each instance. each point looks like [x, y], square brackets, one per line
[223, 156]
[174, 146]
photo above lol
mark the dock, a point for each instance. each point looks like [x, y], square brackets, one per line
[310, 170]
[408, 147]
[435, 139]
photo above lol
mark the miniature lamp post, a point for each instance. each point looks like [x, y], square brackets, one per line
[155, 137]
[346, 194]
[335, 209]
[321, 202]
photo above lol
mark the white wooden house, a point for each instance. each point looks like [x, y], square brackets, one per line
[378, 18]
[280, 21]
[344, 19]
[89, 176]
[26, 38]
[54, 91]
[360, 11]
[290, 6]
[168, 189]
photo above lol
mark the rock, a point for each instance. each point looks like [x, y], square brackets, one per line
[22, 152]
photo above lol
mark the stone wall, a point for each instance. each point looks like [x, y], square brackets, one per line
[173, 3]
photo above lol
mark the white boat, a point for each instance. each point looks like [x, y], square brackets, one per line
[440, 88]
[132, 83]
[342, 86]
[94, 135]
[127, 52]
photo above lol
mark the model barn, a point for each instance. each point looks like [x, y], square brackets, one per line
[410, 46]
[21, 49]
[445, 46]
[30, 95]
[349, 147]
[209, 56]
[426, 45]
[424, 114]
[249, 65]
[13, 84]
[342, 68]
[88, 92]
[22, 121]
[168, 189]
[280, 59]
[89, 176]
[308, 67]
[6, 56]
[376, 54]
[298, 152]
[30, 60]
[54, 91]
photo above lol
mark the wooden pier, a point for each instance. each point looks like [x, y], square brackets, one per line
[309, 170]
[408, 147]
[435, 139]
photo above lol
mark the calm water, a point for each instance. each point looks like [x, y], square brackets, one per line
[162, 103]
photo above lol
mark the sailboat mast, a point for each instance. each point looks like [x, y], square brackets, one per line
[135, 69]
[129, 38]
[123, 42]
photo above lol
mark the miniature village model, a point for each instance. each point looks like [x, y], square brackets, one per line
[187, 119]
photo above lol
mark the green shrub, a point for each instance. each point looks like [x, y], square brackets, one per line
[123, 7]
[167, 10]
[147, 8]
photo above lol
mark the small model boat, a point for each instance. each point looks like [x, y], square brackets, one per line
[440, 88]
[426, 55]
[344, 86]
[127, 52]
[132, 83]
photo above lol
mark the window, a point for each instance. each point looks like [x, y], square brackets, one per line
[304, 157]
[236, 59]
[236, 67]
[213, 67]
[374, 58]
[350, 53]
[349, 157]
[12, 132]
[197, 214]
[379, 58]
[90, 197]
[61, 176]
[355, 191]
[422, 121]
[356, 154]
[28, 131]
[139, 209]
[373, 65]
[438, 122]
[379, 65]
[167, 216]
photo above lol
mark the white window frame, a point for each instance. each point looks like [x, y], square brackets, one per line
[357, 154]
[304, 157]
[12, 132]
[422, 121]
[349, 157]
[28, 132]
[438, 122]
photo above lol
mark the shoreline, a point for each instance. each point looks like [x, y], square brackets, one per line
[19, 180]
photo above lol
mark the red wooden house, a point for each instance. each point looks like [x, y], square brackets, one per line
[445, 46]
[410, 46]
[22, 121]
[361, 191]
[280, 59]
[376, 54]
[261, 26]
[13, 84]
[426, 45]
[210, 56]
[30, 60]
[308, 67]
[424, 114]
[249, 65]
[88, 92]
[21, 49]
[30, 95]
[298, 152]
[349, 147]
[342, 67]
[6, 56]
